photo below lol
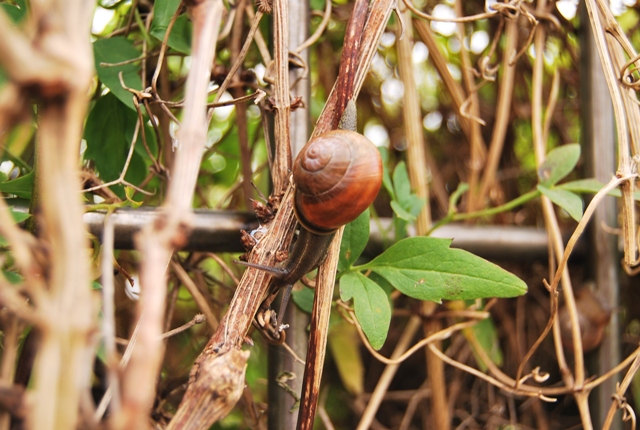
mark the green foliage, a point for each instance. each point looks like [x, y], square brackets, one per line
[424, 268]
[591, 186]
[559, 163]
[17, 12]
[354, 239]
[487, 335]
[427, 269]
[18, 217]
[20, 187]
[371, 306]
[117, 50]
[405, 204]
[13, 277]
[108, 132]
[567, 200]
[345, 350]
[180, 36]
[303, 298]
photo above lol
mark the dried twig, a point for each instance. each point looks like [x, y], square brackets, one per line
[158, 240]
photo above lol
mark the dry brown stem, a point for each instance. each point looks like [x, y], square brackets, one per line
[53, 63]
[158, 240]
[607, 48]
[282, 102]
[503, 110]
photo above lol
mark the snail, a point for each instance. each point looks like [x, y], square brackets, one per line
[337, 175]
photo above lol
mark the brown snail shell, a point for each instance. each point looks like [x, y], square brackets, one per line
[337, 176]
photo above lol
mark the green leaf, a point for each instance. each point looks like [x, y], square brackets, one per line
[180, 37]
[427, 269]
[345, 349]
[108, 132]
[21, 187]
[558, 164]
[15, 13]
[570, 202]
[487, 336]
[591, 186]
[19, 216]
[303, 299]
[406, 200]
[370, 304]
[354, 239]
[116, 50]
[386, 178]
[163, 10]
[401, 213]
[13, 277]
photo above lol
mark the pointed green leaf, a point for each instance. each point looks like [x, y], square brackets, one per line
[354, 239]
[15, 13]
[345, 349]
[487, 336]
[370, 304]
[591, 186]
[386, 177]
[427, 269]
[19, 216]
[116, 50]
[163, 10]
[401, 183]
[180, 37]
[13, 277]
[108, 132]
[405, 204]
[21, 187]
[405, 198]
[303, 299]
[558, 164]
[570, 202]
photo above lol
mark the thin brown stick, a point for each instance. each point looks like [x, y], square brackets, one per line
[459, 19]
[282, 103]
[197, 295]
[503, 110]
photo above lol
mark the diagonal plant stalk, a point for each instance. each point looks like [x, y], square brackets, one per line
[361, 40]
[226, 342]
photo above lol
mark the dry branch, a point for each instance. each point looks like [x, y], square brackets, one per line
[159, 239]
[54, 65]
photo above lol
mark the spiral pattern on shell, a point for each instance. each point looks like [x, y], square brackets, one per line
[337, 176]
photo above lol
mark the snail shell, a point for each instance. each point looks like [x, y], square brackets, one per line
[337, 176]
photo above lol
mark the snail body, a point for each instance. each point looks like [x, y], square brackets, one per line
[337, 175]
